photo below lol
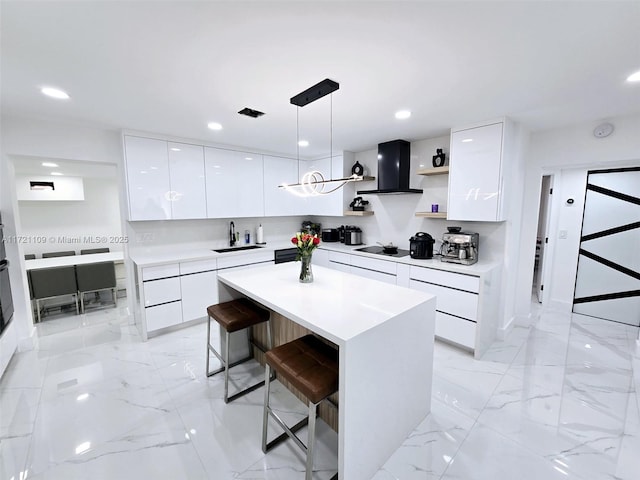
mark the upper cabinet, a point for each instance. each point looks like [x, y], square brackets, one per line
[165, 180]
[186, 177]
[234, 184]
[332, 204]
[148, 185]
[278, 201]
[476, 172]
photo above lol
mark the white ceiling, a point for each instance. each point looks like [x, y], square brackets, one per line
[27, 165]
[171, 67]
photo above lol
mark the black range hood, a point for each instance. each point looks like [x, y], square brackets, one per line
[393, 169]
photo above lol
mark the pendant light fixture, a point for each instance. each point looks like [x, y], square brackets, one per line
[313, 183]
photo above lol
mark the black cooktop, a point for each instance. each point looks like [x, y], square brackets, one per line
[380, 251]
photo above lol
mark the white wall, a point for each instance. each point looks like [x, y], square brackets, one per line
[568, 154]
[74, 225]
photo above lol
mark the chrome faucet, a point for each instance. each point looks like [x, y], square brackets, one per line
[232, 234]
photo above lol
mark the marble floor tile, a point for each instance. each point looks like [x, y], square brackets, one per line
[431, 447]
[486, 454]
[558, 398]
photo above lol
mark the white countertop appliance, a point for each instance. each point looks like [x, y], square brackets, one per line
[460, 247]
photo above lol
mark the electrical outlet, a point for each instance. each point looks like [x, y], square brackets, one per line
[563, 234]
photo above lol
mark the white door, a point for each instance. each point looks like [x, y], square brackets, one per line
[542, 238]
[608, 276]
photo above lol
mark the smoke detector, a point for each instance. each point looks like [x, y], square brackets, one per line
[603, 130]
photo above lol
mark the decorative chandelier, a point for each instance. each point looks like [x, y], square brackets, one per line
[313, 183]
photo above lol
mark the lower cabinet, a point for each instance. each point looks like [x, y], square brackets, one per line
[381, 270]
[199, 290]
[176, 293]
[466, 304]
[162, 316]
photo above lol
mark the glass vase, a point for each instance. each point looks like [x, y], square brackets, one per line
[306, 274]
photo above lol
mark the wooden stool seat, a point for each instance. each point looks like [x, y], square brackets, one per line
[237, 314]
[234, 316]
[311, 366]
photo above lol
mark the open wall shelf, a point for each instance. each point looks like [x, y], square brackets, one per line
[433, 171]
[431, 214]
[351, 213]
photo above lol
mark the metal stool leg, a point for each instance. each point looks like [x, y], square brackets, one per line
[311, 440]
[226, 365]
[265, 412]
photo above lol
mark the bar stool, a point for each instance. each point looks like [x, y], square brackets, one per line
[234, 316]
[311, 366]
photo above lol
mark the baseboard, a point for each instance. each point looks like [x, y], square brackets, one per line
[503, 331]
[28, 343]
[565, 307]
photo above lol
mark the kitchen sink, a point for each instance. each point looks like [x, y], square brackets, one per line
[235, 249]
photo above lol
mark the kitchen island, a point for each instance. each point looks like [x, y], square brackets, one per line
[385, 336]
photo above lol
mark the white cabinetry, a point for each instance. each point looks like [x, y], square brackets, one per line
[160, 297]
[234, 184]
[164, 180]
[186, 177]
[466, 305]
[199, 287]
[381, 270]
[332, 204]
[477, 171]
[148, 185]
[277, 201]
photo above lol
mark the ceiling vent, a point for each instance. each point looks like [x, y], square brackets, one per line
[250, 112]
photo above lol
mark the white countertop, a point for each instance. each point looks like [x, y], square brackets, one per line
[479, 268]
[184, 253]
[73, 260]
[337, 305]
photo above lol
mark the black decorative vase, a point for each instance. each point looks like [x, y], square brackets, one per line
[438, 158]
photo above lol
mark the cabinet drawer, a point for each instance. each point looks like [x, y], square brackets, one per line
[374, 275]
[373, 264]
[161, 291]
[198, 266]
[245, 259]
[160, 271]
[338, 257]
[162, 316]
[448, 279]
[456, 330]
[448, 300]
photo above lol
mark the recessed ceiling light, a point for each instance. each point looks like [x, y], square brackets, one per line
[214, 126]
[303, 143]
[49, 164]
[174, 149]
[634, 77]
[54, 93]
[467, 140]
[248, 158]
[403, 114]
[56, 173]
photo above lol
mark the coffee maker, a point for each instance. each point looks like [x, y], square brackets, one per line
[460, 247]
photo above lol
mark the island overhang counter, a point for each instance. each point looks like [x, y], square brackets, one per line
[385, 337]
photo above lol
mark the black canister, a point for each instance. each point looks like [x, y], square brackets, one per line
[421, 246]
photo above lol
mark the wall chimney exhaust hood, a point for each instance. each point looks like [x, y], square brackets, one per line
[394, 160]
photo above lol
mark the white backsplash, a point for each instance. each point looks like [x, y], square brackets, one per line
[208, 232]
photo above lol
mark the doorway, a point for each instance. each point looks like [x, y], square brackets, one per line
[608, 274]
[542, 237]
